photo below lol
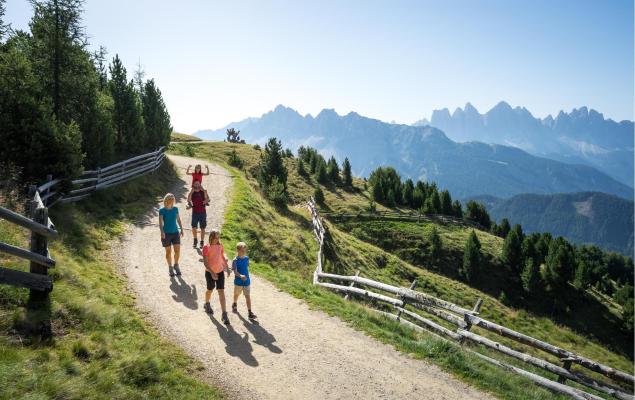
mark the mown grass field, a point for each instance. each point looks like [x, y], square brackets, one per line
[101, 347]
[283, 247]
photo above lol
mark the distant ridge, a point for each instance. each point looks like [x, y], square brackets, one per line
[588, 217]
[580, 136]
[466, 169]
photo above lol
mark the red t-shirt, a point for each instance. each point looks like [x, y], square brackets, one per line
[198, 201]
[197, 176]
[215, 254]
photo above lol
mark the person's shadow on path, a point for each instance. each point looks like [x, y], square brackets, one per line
[262, 336]
[235, 344]
[184, 293]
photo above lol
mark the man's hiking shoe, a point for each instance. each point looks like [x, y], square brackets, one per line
[171, 270]
[202, 243]
[235, 308]
[208, 308]
[195, 243]
[225, 319]
[177, 270]
[251, 315]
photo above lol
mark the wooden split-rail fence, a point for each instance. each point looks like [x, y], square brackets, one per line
[36, 217]
[404, 300]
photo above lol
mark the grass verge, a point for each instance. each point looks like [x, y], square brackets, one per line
[101, 347]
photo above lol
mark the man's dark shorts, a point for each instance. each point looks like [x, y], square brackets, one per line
[199, 219]
[171, 239]
[219, 283]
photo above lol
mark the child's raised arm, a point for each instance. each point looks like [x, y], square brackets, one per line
[188, 170]
[206, 168]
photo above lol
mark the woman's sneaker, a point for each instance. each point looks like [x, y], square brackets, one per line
[234, 308]
[208, 308]
[171, 270]
[225, 319]
[177, 270]
[251, 315]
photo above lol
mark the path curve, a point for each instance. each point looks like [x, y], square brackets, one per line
[293, 352]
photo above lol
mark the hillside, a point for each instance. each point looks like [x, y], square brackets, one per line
[580, 136]
[466, 169]
[283, 251]
[584, 218]
[182, 137]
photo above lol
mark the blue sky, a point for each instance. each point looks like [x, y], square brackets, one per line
[217, 62]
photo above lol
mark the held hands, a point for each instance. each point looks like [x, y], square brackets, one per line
[214, 275]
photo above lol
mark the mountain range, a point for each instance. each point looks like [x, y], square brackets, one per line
[580, 136]
[588, 217]
[424, 152]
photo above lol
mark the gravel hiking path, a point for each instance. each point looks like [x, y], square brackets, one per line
[293, 352]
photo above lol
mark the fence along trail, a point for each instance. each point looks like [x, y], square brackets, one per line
[293, 352]
[464, 319]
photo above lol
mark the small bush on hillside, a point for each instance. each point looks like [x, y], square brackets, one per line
[276, 193]
[372, 207]
[435, 244]
[288, 153]
[318, 195]
[257, 147]
[301, 169]
[234, 160]
[142, 371]
[189, 151]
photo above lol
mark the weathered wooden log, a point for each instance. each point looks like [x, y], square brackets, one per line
[549, 348]
[347, 296]
[48, 185]
[119, 164]
[547, 366]
[411, 295]
[362, 292]
[412, 287]
[544, 382]
[402, 321]
[429, 324]
[25, 279]
[39, 247]
[28, 223]
[27, 255]
[441, 314]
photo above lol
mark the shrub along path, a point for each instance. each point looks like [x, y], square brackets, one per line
[292, 352]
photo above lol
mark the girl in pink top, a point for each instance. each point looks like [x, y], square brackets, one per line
[215, 262]
[197, 175]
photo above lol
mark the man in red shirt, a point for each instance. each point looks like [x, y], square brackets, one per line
[198, 200]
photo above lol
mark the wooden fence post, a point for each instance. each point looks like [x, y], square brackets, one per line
[412, 287]
[39, 245]
[49, 178]
[566, 364]
[475, 311]
[351, 285]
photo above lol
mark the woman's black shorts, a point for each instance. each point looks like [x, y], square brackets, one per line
[219, 283]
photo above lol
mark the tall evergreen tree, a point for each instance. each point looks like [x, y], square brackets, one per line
[347, 175]
[272, 164]
[446, 202]
[582, 278]
[559, 264]
[333, 171]
[512, 251]
[408, 193]
[530, 276]
[321, 174]
[457, 209]
[127, 116]
[155, 116]
[418, 198]
[476, 212]
[472, 258]
[504, 228]
[435, 244]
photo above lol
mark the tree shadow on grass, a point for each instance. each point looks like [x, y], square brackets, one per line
[236, 345]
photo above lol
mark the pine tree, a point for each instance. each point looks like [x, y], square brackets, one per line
[476, 212]
[155, 117]
[417, 198]
[300, 167]
[530, 276]
[446, 203]
[407, 193]
[472, 258]
[321, 175]
[347, 175]
[333, 171]
[272, 164]
[378, 192]
[559, 264]
[457, 209]
[519, 232]
[435, 244]
[318, 195]
[139, 75]
[582, 278]
[128, 121]
[391, 199]
[512, 251]
[504, 228]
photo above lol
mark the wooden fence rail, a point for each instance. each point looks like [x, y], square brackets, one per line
[41, 227]
[400, 298]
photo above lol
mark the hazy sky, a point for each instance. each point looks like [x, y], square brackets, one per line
[217, 62]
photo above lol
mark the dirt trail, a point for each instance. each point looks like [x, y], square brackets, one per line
[293, 352]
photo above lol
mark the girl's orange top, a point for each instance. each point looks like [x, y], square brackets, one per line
[215, 255]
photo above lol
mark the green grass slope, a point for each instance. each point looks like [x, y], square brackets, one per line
[101, 347]
[183, 137]
[284, 250]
